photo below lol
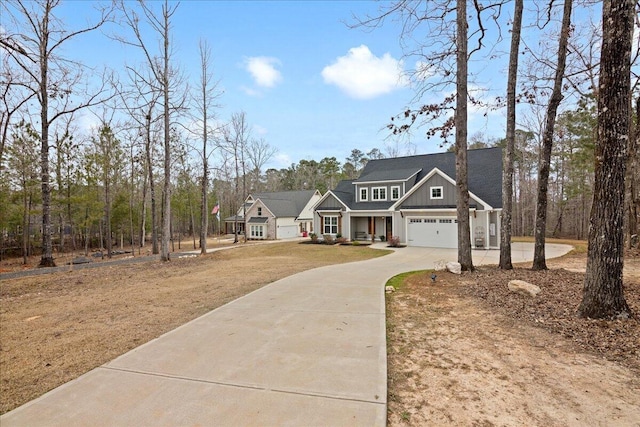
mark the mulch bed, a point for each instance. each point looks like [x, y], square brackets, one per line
[554, 309]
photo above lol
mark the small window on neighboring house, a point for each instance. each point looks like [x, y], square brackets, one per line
[330, 225]
[259, 211]
[379, 193]
[395, 193]
[363, 194]
[436, 193]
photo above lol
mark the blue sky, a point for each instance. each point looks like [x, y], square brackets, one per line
[309, 85]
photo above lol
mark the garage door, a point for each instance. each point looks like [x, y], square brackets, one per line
[287, 231]
[432, 232]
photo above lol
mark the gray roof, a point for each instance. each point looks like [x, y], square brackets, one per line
[484, 169]
[387, 175]
[258, 220]
[285, 203]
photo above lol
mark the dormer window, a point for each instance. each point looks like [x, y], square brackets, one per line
[379, 193]
[364, 194]
[437, 193]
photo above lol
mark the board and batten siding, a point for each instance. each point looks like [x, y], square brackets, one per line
[422, 197]
[330, 203]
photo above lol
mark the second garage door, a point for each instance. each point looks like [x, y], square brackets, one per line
[432, 232]
[287, 231]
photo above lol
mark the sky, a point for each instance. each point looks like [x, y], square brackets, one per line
[310, 86]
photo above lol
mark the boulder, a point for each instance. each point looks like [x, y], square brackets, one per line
[440, 265]
[523, 288]
[454, 267]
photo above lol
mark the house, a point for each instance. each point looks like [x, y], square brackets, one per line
[414, 198]
[278, 215]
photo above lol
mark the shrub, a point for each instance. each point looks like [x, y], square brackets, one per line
[328, 239]
[394, 242]
[314, 237]
[382, 238]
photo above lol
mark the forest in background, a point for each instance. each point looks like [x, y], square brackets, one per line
[123, 182]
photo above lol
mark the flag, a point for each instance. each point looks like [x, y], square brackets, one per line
[216, 209]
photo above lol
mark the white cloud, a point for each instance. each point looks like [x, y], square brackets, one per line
[263, 70]
[362, 75]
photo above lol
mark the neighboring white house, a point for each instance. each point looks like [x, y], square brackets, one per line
[280, 215]
[414, 198]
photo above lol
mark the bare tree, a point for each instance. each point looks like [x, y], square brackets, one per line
[208, 95]
[167, 81]
[236, 137]
[603, 295]
[539, 261]
[462, 199]
[53, 80]
[259, 152]
[508, 159]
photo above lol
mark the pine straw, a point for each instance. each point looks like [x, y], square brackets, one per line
[554, 309]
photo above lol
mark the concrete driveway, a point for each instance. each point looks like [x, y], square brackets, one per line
[307, 350]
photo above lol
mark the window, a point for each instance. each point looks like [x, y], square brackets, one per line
[446, 221]
[256, 232]
[379, 193]
[259, 211]
[436, 193]
[395, 193]
[330, 225]
[363, 194]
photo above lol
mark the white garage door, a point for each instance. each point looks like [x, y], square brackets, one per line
[432, 232]
[287, 231]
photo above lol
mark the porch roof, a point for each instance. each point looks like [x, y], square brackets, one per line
[258, 220]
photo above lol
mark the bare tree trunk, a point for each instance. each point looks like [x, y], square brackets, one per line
[539, 258]
[462, 202]
[166, 209]
[507, 162]
[603, 295]
[152, 188]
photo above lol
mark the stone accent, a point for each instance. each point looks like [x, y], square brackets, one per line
[440, 265]
[454, 267]
[523, 288]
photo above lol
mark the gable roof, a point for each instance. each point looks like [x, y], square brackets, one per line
[484, 170]
[285, 203]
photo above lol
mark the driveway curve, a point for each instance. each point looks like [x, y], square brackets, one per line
[309, 349]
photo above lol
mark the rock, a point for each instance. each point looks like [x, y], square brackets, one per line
[523, 288]
[454, 267]
[389, 289]
[80, 260]
[440, 265]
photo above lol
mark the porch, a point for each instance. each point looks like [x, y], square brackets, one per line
[371, 228]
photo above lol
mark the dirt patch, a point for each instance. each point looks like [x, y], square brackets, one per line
[56, 327]
[466, 351]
